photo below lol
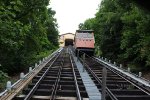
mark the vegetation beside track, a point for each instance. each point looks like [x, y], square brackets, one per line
[3, 79]
[121, 30]
[28, 32]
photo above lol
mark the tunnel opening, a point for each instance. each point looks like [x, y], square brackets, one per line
[68, 42]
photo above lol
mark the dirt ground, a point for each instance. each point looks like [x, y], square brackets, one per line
[146, 75]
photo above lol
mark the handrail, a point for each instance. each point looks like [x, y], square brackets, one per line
[75, 79]
[28, 97]
[135, 78]
[125, 70]
[28, 74]
[56, 84]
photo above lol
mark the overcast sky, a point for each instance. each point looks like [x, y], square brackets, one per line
[69, 13]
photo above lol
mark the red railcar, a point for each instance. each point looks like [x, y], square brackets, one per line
[84, 41]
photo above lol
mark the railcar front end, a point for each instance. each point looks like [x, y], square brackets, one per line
[84, 42]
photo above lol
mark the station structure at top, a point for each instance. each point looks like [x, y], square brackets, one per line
[66, 39]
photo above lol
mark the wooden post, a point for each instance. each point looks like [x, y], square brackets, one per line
[83, 62]
[104, 75]
[78, 55]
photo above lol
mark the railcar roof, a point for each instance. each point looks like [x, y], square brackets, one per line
[84, 31]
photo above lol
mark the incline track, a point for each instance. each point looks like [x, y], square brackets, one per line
[118, 87]
[58, 80]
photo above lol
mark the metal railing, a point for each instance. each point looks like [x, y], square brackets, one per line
[30, 72]
[125, 70]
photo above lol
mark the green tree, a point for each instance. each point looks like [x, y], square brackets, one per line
[87, 25]
[122, 32]
[25, 28]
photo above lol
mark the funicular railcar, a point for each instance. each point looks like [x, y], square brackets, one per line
[84, 42]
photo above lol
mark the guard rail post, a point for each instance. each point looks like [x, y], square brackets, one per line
[140, 74]
[78, 55]
[83, 62]
[104, 75]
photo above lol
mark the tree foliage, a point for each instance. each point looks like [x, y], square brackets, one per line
[28, 29]
[122, 32]
[87, 25]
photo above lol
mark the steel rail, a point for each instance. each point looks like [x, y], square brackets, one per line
[128, 79]
[29, 95]
[100, 82]
[18, 83]
[75, 79]
[97, 79]
[53, 94]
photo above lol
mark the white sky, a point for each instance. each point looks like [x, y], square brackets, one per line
[70, 13]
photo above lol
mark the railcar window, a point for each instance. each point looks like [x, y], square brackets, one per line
[84, 35]
[90, 35]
